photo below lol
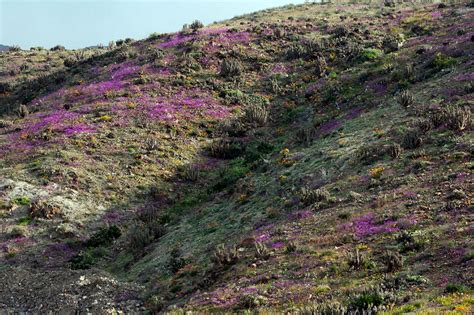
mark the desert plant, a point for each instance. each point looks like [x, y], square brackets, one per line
[391, 44]
[5, 87]
[23, 111]
[150, 144]
[441, 61]
[305, 135]
[196, 25]
[261, 251]
[458, 118]
[370, 54]
[190, 172]
[424, 125]
[411, 241]
[18, 231]
[394, 150]
[226, 148]
[393, 261]
[291, 247]
[356, 260]
[405, 99]
[370, 301]
[231, 68]
[279, 32]
[256, 115]
[69, 62]
[340, 31]
[295, 51]
[326, 308]
[58, 48]
[104, 236]
[6, 123]
[320, 66]
[251, 301]
[225, 256]
[139, 236]
[412, 139]
[176, 261]
[14, 48]
[310, 196]
[43, 209]
[148, 215]
[455, 288]
[275, 85]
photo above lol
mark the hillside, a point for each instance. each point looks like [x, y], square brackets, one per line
[310, 159]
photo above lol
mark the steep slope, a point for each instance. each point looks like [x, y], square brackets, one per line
[306, 159]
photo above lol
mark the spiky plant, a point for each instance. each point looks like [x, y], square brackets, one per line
[231, 68]
[226, 148]
[279, 32]
[320, 66]
[393, 261]
[458, 118]
[256, 115]
[225, 256]
[291, 247]
[43, 209]
[150, 144]
[261, 251]
[23, 111]
[356, 260]
[325, 308]
[196, 25]
[295, 51]
[406, 99]
[394, 150]
[412, 139]
[5, 123]
[305, 135]
[310, 196]
[190, 172]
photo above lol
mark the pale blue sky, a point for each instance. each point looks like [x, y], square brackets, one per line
[81, 23]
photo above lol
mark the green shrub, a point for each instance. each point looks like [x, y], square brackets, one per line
[140, 235]
[370, 54]
[58, 48]
[441, 61]
[366, 300]
[196, 25]
[22, 201]
[455, 288]
[176, 261]
[105, 236]
[87, 258]
[411, 241]
[229, 176]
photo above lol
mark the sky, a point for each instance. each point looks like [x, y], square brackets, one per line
[82, 23]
